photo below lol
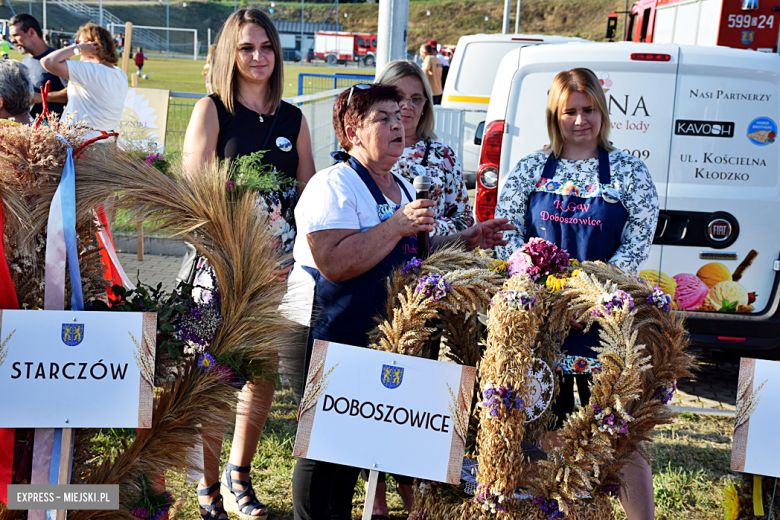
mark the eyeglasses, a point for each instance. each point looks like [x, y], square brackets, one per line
[416, 101]
[360, 86]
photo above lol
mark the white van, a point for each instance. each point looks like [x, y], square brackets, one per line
[704, 121]
[470, 80]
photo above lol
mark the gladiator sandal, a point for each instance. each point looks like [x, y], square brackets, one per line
[253, 503]
[213, 511]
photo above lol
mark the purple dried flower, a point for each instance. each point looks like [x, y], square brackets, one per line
[660, 299]
[611, 491]
[140, 512]
[206, 361]
[503, 396]
[230, 185]
[538, 257]
[432, 285]
[665, 395]
[412, 265]
[612, 301]
[521, 300]
[548, 507]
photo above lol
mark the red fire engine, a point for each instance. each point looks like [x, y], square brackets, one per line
[741, 24]
[335, 47]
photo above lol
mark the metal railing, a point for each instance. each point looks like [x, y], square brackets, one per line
[312, 83]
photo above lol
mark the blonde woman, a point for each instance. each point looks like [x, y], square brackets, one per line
[453, 212]
[598, 203]
[246, 114]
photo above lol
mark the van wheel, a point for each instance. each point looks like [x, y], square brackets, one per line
[369, 61]
[332, 59]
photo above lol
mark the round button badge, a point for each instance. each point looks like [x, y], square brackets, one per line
[611, 195]
[283, 144]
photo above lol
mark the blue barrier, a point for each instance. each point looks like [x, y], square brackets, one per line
[313, 83]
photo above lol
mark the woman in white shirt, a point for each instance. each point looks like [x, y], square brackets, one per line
[97, 88]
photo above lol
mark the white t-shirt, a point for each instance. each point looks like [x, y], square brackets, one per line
[96, 94]
[335, 198]
[443, 59]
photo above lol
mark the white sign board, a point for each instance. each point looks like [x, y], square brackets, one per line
[67, 369]
[754, 449]
[387, 412]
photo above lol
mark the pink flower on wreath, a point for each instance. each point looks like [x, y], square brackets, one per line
[538, 257]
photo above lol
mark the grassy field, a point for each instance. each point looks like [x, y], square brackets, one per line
[690, 468]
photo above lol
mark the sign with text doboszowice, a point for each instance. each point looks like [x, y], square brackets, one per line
[69, 369]
[382, 411]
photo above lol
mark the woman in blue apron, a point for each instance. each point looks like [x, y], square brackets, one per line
[597, 203]
[357, 223]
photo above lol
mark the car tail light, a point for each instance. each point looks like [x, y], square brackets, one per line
[487, 175]
[643, 56]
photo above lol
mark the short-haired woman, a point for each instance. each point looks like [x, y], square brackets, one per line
[360, 223]
[16, 92]
[582, 175]
[246, 114]
[97, 88]
[453, 211]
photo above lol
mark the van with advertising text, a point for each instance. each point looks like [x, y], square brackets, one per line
[704, 121]
[473, 70]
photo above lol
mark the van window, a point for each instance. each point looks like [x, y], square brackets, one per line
[373, 43]
[630, 30]
[479, 66]
[361, 42]
[645, 23]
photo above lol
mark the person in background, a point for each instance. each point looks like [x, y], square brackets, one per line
[245, 115]
[582, 168]
[5, 49]
[97, 88]
[139, 61]
[445, 65]
[26, 34]
[432, 68]
[207, 67]
[16, 92]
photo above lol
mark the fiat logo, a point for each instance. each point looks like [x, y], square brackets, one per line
[719, 230]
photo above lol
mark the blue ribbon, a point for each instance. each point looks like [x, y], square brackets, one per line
[68, 186]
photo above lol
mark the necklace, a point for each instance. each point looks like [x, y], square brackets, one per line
[259, 115]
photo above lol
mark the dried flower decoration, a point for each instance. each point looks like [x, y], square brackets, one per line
[491, 502]
[660, 299]
[517, 299]
[608, 422]
[665, 394]
[412, 266]
[433, 286]
[538, 257]
[549, 507]
[206, 361]
[612, 301]
[501, 396]
[499, 266]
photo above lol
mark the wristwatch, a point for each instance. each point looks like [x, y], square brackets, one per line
[76, 49]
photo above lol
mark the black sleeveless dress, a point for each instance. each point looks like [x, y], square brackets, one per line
[242, 134]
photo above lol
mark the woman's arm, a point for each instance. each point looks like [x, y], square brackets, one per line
[458, 213]
[57, 61]
[343, 254]
[200, 140]
[484, 235]
[305, 157]
[640, 198]
[513, 202]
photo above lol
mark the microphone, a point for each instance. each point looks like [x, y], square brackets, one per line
[422, 183]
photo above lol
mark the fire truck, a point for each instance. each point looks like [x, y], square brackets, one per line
[339, 47]
[740, 24]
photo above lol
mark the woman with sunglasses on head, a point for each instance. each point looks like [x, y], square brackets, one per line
[358, 222]
[246, 114]
[452, 211]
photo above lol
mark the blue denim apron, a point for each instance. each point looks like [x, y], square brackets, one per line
[344, 312]
[587, 228]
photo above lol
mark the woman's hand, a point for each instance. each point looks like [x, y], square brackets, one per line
[486, 234]
[89, 49]
[413, 218]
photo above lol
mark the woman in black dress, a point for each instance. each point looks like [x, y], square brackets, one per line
[246, 114]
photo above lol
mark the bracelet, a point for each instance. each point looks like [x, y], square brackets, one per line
[76, 49]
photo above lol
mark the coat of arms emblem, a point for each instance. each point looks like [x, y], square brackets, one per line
[392, 376]
[72, 334]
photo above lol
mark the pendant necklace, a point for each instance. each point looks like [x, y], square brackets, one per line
[259, 115]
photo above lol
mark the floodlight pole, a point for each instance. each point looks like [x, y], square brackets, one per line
[100, 17]
[44, 16]
[167, 26]
[517, 18]
[302, 4]
[507, 11]
[392, 31]
[29, 6]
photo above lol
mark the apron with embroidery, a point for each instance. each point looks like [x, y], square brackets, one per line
[344, 312]
[587, 228]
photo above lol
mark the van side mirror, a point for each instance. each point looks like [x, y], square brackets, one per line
[479, 133]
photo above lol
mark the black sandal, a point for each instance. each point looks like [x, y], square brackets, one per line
[214, 511]
[253, 503]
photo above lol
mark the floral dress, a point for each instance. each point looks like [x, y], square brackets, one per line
[630, 183]
[453, 212]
